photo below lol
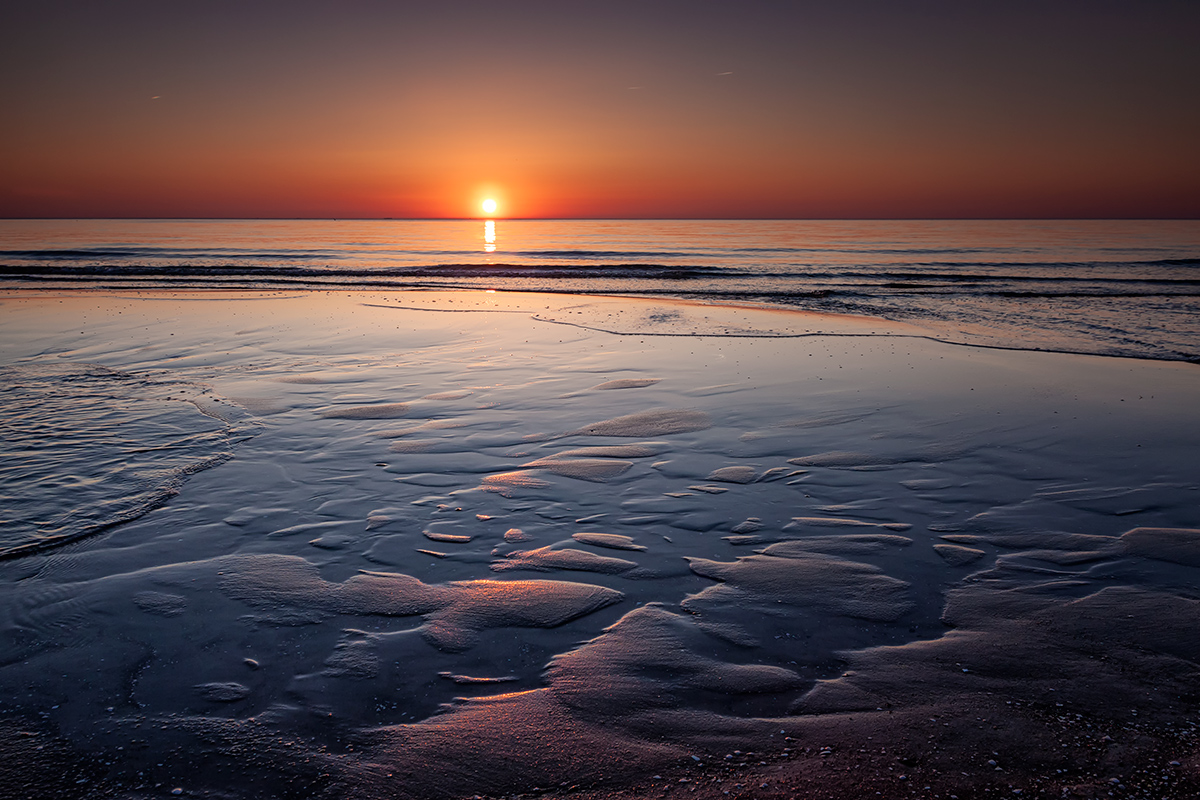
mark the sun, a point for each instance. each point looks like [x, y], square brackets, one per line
[489, 206]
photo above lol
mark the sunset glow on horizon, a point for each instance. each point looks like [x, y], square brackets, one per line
[625, 110]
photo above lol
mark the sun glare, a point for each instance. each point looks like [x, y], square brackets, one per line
[489, 206]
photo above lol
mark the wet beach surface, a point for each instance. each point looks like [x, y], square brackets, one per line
[448, 544]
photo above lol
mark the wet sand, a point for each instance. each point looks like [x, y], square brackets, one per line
[448, 544]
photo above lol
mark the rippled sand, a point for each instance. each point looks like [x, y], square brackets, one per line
[334, 545]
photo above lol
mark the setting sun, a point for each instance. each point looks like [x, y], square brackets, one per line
[489, 206]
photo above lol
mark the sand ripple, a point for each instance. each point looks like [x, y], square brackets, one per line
[613, 540]
[649, 423]
[596, 470]
[835, 585]
[455, 613]
[379, 411]
[544, 559]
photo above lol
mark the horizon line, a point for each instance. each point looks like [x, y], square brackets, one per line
[600, 219]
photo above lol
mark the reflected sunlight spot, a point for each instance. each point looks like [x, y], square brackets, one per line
[489, 235]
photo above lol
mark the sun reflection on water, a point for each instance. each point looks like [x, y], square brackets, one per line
[489, 236]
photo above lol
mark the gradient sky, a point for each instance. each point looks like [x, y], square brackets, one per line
[574, 108]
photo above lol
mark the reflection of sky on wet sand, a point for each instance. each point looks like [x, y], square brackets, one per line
[789, 495]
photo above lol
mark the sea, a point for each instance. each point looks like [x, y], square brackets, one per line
[1102, 287]
[296, 509]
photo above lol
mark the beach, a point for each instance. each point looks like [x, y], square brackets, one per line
[463, 543]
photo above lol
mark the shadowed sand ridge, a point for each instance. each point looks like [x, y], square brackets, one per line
[649, 423]
[454, 613]
[381, 411]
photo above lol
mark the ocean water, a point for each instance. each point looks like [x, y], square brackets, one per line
[1128, 288]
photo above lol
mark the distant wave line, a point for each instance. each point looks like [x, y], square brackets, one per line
[364, 253]
[978, 272]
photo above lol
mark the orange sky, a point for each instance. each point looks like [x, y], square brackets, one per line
[620, 109]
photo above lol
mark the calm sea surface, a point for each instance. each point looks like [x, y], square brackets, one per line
[1104, 287]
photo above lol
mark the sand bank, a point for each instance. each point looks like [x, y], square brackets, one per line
[453, 544]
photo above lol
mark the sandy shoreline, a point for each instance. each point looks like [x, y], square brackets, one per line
[446, 544]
